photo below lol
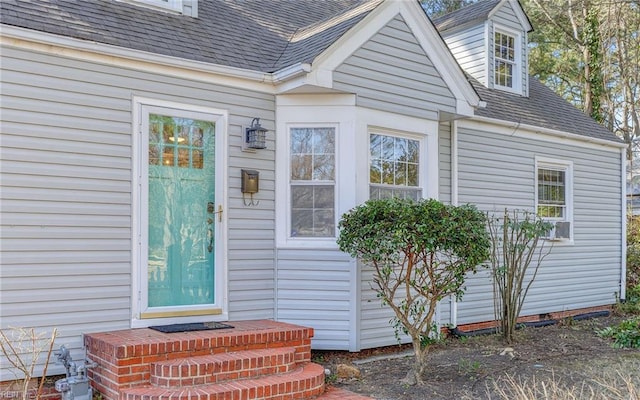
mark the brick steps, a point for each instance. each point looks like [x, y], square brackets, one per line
[305, 382]
[254, 360]
[210, 369]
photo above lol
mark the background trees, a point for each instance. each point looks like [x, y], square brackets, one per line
[587, 51]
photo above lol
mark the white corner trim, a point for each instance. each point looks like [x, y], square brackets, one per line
[623, 233]
[535, 132]
[453, 312]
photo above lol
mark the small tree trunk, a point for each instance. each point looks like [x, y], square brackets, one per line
[414, 376]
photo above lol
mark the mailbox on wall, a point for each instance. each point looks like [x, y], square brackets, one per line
[250, 183]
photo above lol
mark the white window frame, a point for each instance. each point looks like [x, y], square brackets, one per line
[567, 168]
[517, 62]
[172, 5]
[421, 157]
[290, 183]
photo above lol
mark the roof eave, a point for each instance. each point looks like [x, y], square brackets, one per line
[66, 46]
[549, 131]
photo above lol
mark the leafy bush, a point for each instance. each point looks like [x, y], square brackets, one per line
[516, 244]
[631, 304]
[420, 252]
[626, 334]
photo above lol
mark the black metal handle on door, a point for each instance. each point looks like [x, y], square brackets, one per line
[210, 237]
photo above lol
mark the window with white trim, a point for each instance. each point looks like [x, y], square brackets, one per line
[312, 165]
[506, 60]
[174, 5]
[394, 165]
[554, 196]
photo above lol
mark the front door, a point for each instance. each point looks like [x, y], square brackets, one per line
[181, 219]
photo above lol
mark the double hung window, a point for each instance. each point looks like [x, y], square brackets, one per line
[506, 60]
[394, 164]
[554, 196]
[312, 166]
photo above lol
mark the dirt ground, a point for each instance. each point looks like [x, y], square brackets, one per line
[568, 354]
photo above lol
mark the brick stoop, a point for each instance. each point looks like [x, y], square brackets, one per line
[253, 360]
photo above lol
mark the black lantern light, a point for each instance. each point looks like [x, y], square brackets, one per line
[255, 136]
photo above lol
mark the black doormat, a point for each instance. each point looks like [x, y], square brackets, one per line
[195, 326]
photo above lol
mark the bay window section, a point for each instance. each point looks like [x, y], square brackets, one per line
[312, 182]
[394, 164]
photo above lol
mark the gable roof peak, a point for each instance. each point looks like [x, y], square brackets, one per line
[480, 11]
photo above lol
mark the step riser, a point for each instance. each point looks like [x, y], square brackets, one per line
[303, 383]
[223, 367]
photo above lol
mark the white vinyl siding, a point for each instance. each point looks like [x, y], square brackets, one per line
[444, 160]
[391, 72]
[469, 48]
[314, 289]
[66, 194]
[584, 274]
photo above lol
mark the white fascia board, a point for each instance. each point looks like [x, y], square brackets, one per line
[291, 72]
[517, 8]
[149, 62]
[535, 132]
[425, 32]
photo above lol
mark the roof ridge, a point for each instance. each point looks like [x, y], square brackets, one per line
[313, 29]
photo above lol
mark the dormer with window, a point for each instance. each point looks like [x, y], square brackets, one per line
[489, 40]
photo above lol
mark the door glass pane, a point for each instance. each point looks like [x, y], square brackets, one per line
[181, 219]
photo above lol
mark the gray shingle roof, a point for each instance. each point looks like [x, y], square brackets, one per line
[543, 108]
[267, 35]
[249, 34]
[474, 12]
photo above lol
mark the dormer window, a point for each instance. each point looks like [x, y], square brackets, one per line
[506, 60]
[173, 5]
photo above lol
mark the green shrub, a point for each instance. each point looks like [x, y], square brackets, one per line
[420, 252]
[626, 334]
[631, 304]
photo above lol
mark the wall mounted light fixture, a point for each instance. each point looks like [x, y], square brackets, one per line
[255, 136]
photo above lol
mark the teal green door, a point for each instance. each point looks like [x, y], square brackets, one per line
[181, 211]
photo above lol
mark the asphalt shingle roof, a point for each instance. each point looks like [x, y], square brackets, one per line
[268, 35]
[543, 108]
[473, 12]
[250, 34]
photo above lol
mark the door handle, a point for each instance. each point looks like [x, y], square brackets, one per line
[210, 208]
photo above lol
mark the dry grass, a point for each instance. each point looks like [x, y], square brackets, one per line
[620, 384]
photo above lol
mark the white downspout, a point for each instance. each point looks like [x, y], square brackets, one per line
[454, 201]
[623, 250]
